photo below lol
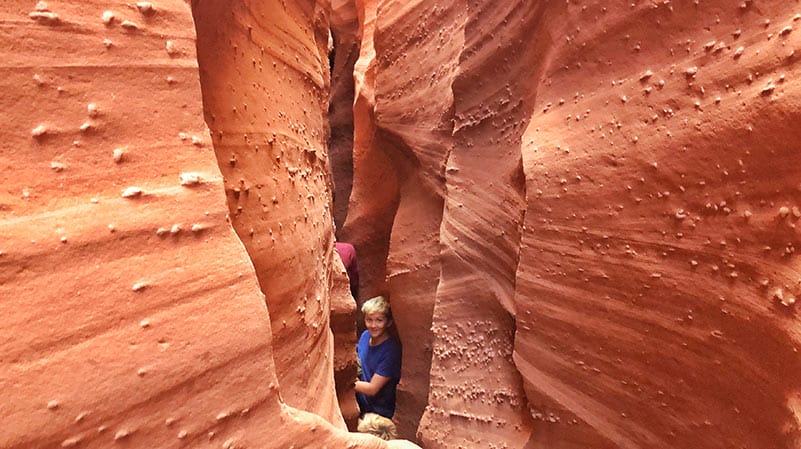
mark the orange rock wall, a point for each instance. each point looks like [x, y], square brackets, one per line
[414, 127]
[438, 272]
[618, 200]
[657, 250]
[481, 394]
[133, 314]
[374, 195]
[585, 215]
[265, 106]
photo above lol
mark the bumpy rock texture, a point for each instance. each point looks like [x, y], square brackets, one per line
[614, 194]
[132, 312]
[654, 294]
[585, 214]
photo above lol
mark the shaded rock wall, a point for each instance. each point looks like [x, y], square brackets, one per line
[346, 39]
[374, 196]
[585, 215]
[481, 395]
[413, 116]
[412, 130]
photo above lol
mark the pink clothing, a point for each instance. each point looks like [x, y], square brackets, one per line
[347, 253]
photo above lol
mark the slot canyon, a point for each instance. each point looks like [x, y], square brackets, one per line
[585, 214]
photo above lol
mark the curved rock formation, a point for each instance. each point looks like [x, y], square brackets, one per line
[654, 292]
[651, 148]
[585, 215]
[132, 314]
[473, 334]
[413, 192]
[268, 126]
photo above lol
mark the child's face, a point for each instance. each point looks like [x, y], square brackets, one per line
[376, 323]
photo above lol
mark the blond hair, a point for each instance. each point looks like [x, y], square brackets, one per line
[379, 304]
[378, 425]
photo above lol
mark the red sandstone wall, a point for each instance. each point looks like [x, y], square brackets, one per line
[606, 192]
[430, 272]
[374, 195]
[657, 250]
[413, 121]
[269, 130]
[132, 314]
[649, 151]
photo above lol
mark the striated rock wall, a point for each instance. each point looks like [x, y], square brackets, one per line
[480, 394]
[437, 269]
[132, 313]
[653, 292]
[585, 215]
[265, 101]
[413, 116]
[648, 150]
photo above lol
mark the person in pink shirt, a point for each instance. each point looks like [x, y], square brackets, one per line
[347, 253]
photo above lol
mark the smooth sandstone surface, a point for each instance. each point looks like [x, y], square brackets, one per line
[268, 127]
[133, 315]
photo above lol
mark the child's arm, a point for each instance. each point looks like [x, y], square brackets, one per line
[372, 388]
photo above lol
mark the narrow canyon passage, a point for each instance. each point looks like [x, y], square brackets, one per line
[585, 214]
[439, 160]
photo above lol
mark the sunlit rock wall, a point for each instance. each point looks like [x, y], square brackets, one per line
[132, 314]
[265, 101]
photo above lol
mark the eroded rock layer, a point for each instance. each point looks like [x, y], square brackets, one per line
[414, 128]
[130, 310]
[265, 101]
[374, 196]
[480, 393]
[650, 151]
[654, 291]
[476, 396]
[132, 313]
[585, 215]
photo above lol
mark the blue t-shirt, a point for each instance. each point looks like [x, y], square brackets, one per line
[384, 360]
